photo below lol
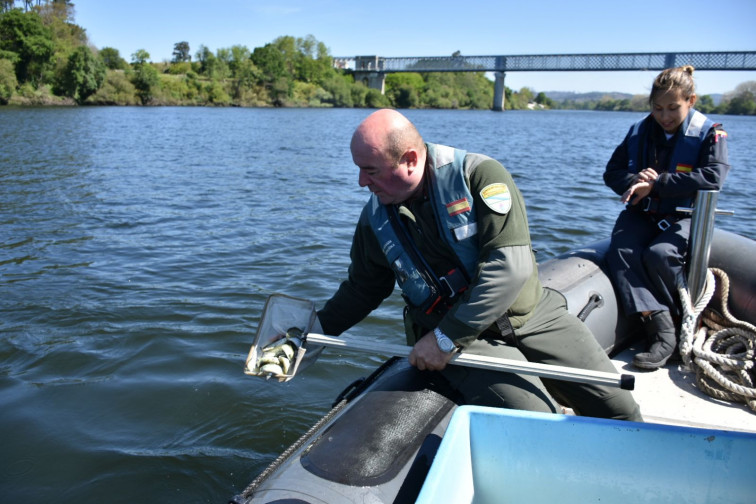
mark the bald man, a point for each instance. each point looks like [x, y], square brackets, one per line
[450, 227]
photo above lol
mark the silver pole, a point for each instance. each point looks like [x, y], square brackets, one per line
[623, 381]
[701, 232]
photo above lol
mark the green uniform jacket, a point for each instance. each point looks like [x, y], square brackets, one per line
[506, 280]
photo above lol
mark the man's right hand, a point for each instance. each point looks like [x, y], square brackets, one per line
[426, 355]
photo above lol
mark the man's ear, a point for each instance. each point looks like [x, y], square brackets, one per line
[410, 158]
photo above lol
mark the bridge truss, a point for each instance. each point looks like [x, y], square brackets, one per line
[737, 60]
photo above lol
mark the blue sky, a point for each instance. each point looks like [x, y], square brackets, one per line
[441, 27]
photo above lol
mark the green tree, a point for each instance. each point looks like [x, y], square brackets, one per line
[140, 57]
[8, 82]
[58, 16]
[275, 78]
[705, 104]
[223, 58]
[339, 88]
[145, 76]
[374, 99]
[210, 65]
[112, 59]
[359, 93]
[84, 74]
[181, 52]
[405, 89]
[246, 76]
[740, 101]
[23, 34]
[268, 60]
[117, 90]
[742, 104]
[312, 61]
[544, 100]
[239, 57]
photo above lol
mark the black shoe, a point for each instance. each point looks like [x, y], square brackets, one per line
[661, 330]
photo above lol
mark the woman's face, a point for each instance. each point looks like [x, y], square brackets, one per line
[670, 109]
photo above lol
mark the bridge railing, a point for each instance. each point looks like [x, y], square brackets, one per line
[731, 60]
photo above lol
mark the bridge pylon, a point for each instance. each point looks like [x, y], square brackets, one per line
[369, 71]
[498, 101]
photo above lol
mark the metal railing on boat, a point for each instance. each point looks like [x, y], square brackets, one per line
[701, 233]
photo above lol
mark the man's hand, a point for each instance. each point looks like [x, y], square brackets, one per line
[426, 355]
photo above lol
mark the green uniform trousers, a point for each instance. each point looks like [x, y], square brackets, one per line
[551, 336]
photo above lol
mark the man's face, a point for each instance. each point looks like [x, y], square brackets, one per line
[388, 180]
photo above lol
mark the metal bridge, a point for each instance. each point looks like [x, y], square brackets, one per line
[372, 69]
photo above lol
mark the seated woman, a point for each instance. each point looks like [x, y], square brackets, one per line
[660, 165]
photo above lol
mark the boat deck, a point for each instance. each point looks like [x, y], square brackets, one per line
[670, 396]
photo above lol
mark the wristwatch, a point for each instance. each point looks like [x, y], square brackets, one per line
[444, 343]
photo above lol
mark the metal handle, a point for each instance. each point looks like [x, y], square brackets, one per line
[624, 381]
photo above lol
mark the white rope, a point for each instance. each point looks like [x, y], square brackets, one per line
[722, 349]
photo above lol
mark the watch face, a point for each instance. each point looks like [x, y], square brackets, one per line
[445, 344]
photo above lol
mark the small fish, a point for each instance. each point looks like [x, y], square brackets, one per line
[275, 357]
[267, 359]
[273, 369]
[284, 363]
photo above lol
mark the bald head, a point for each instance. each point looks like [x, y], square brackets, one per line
[391, 155]
[388, 133]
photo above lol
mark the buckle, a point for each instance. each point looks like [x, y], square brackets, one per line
[647, 205]
[664, 224]
[452, 292]
[455, 283]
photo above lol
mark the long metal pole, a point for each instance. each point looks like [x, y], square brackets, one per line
[624, 381]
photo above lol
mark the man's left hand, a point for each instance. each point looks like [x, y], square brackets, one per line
[426, 355]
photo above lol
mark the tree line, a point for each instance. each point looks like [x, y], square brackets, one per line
[741, 101]
[45, 58]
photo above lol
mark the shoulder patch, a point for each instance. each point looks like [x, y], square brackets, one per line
[497, 197]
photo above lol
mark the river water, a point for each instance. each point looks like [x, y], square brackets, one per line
[138, 246]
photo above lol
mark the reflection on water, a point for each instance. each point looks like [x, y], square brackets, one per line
[138, 245]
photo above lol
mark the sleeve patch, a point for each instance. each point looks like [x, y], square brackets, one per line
[497, 198]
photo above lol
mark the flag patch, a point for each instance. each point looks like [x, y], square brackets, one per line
[458, 207]
[497, 198]
[685, 168]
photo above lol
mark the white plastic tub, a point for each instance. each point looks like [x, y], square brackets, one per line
[491, 455]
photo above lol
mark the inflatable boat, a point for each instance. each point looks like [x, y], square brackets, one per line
[378, 443]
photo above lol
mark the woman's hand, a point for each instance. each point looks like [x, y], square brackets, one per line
[637, 192]
[646, 175]
[643, 182]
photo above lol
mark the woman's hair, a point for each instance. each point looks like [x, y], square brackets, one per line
[674, 79]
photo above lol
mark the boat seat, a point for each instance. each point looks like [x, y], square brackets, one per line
[374, 440]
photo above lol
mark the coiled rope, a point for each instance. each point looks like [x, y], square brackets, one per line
[720, 349]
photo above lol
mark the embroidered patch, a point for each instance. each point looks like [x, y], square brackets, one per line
[685, 168]
[458, 207]
[497, 198]
[719, 134]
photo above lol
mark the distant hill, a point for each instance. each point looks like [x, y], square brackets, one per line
[597, 95]
[581, 97]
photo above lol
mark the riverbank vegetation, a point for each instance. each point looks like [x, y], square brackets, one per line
[46, 59]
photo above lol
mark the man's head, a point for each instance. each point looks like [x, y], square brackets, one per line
[390, 153]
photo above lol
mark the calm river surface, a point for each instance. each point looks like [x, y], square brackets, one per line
[138, 246]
